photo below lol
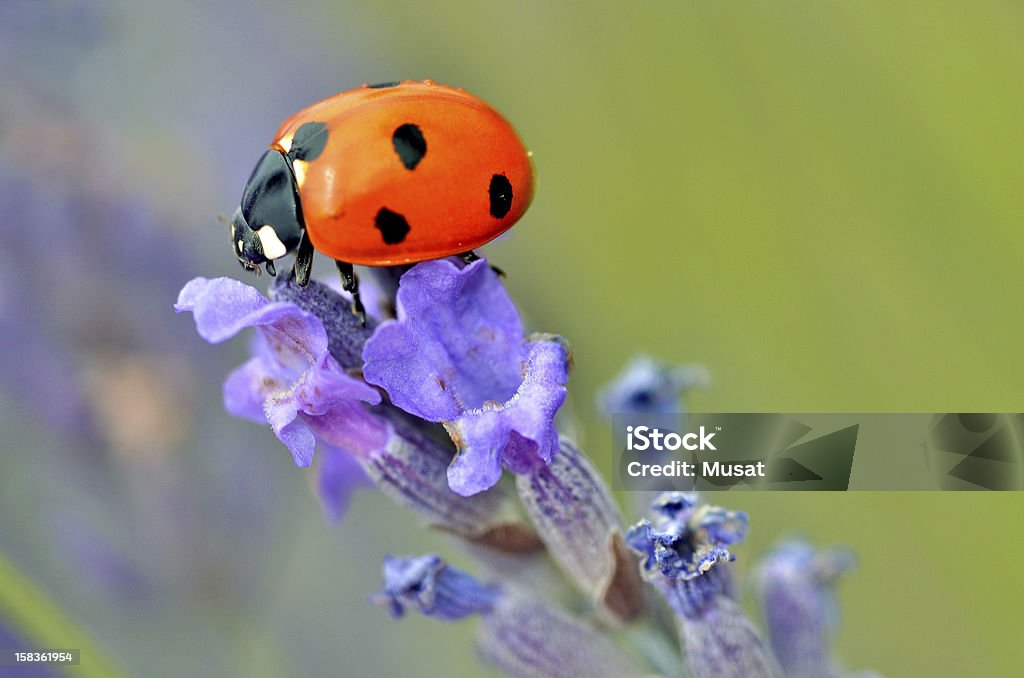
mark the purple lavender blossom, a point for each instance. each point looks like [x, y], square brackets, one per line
[723, 643]
[520, 635]
[293, 382]
[433, 587]
[686, 556]
[457, 341]
[457, 355]
[796, 586]
[581, 525]
[411, 470]
[411, 467]
[648, 385]
[296, 382]
[685, 541]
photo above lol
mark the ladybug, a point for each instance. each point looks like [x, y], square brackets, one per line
[383, 175]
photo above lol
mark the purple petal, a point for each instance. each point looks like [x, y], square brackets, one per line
[474, 470]
[281, 411]
[326, 385]
[436, 589]
[223, 307]
[351, 426]
[457, 342]
[293, 381]
[683, 547]
[346, 335]
[410, 468]
[246, 389]
[519, 434]
[339, 476]
[722, 526]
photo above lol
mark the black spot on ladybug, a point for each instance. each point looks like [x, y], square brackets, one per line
[309, 141]
[383, 85]
[501, 195]
[392, 226]
[409, 145]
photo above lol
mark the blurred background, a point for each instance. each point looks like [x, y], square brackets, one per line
[821, 202]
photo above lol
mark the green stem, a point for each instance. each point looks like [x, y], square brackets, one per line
[35, 617]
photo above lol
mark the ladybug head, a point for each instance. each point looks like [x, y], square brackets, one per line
[268, 224]
[248, 247]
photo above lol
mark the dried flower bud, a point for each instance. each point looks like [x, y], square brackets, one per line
[579, 522]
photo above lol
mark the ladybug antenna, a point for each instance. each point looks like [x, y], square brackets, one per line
[223, 219]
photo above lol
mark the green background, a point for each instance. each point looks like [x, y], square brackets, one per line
[821, 202]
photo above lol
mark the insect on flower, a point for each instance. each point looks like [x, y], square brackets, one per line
[383, 175]
[411, 173]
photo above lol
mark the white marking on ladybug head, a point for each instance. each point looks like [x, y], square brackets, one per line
[299, 168]
[239, 244]
[273, 248]
[285, 142]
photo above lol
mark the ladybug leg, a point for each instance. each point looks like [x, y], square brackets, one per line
[471, 256]
[350, 283]
[303, 260]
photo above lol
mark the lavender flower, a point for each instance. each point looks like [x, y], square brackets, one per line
[293, 382]
[457, 355]
[650, 386]
[296, 384]
[795, 582]
[580, 524]
[411, 469]
[686, 556]
[649, 391]
[433, 587]
[518, 634]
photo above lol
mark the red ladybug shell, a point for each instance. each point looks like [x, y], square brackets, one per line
[410, 172]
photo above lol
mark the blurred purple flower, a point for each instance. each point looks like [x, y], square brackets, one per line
[338, 476]
[293, 382]
[457, 355]
[796, 583]
[436, 589]
[520, 635]
[115, 252]
[649, 385]
[79, 26]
